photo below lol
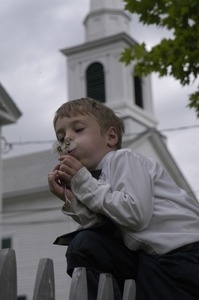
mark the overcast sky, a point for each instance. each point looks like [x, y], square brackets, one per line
[33, 72]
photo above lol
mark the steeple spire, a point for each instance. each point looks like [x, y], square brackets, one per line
[106, 4]
[106, 18]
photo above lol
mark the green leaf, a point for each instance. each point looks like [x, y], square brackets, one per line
[177, 57]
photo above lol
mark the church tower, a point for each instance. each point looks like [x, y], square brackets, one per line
[94, 68]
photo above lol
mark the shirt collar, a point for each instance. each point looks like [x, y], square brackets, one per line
[104, 159]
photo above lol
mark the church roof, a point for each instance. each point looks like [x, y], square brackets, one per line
[27, 173]
[9, 112]
[119, 37]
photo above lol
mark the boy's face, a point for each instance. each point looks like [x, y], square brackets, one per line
[91, 145]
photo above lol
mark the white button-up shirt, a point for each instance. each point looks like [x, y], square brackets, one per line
[150, 211]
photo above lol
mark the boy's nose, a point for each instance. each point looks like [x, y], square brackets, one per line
[68, 139]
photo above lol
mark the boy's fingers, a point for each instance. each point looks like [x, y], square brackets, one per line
[56, 168]
[69, 160]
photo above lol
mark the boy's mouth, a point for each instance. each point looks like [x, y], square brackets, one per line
[68, 151]
[71, 147]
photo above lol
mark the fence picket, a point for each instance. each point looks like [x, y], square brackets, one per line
[8, 275]
[78, 288]
[105, 287]
[45, 283]
[129, 290]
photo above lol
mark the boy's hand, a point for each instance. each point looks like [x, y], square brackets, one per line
[59, 180]
[57, 187]
[69, 166]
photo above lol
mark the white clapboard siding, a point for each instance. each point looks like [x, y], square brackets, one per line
[33, 233]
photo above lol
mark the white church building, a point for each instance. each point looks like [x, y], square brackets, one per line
[31, 216]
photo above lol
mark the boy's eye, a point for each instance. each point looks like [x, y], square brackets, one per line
[79, 129]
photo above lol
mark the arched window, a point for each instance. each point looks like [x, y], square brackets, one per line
[138, 91]
[95, 82]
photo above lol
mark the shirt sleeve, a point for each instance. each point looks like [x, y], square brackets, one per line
[127, 199]
[81, 214]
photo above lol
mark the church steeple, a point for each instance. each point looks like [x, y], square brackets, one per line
[94, 67]
[106, 4]
[106, 18]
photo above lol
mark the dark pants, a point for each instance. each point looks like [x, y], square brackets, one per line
[166, 277]
[170, 276]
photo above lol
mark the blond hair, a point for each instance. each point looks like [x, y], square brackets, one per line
[105, 116]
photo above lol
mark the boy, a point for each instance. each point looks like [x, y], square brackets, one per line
[135, 222]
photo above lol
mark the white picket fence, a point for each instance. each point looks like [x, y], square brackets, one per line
[78, 289]
[44, 288]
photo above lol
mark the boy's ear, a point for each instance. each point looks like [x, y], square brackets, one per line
[112, 137]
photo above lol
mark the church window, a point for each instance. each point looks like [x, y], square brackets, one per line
[95, 82]
[138, 91]
[6, 243]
